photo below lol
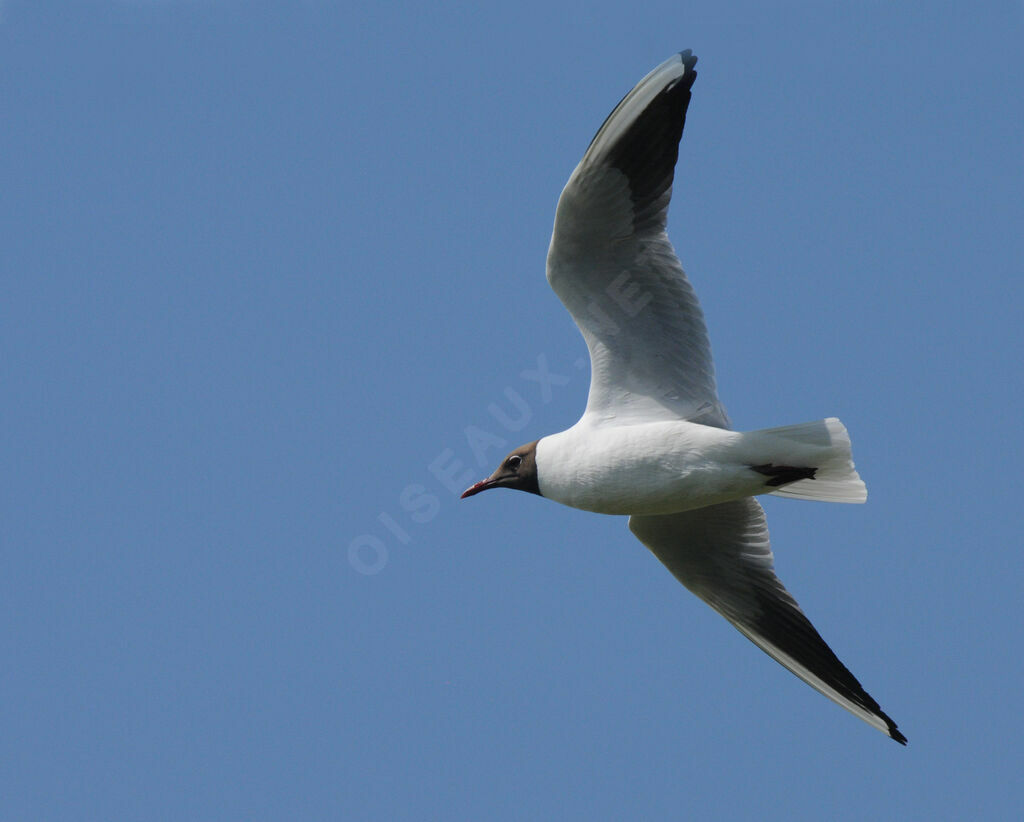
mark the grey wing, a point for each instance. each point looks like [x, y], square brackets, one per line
[613, 267]
[721, 553]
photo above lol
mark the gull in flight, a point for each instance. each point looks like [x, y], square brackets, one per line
[654, 442]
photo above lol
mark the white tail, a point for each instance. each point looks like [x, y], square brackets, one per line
[836, 480]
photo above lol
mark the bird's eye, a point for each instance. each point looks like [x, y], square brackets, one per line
[514, 462]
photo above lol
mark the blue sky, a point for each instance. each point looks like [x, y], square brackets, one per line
[266, 269]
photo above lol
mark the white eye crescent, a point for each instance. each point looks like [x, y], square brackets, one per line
[514, 462]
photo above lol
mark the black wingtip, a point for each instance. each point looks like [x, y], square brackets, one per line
[890, 726]
[689, 60]
[783, 474]
[894, 733]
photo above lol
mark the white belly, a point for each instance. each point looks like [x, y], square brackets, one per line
[650, 468]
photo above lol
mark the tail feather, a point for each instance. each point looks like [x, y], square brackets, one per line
[835, 478]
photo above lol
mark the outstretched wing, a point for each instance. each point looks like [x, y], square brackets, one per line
[612, 265]
[721, 553]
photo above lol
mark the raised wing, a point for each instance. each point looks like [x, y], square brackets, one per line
[721, 553]
[612, 265]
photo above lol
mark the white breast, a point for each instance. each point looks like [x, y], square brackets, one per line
[648, 468]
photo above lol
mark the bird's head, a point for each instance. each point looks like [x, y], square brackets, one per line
[518, 470]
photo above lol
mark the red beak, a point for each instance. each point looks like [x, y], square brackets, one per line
[483, 485]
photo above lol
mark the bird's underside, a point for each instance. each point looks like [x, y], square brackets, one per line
[611, 264]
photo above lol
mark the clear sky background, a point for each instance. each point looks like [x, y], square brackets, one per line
[263, 267]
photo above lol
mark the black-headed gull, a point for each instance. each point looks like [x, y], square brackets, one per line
[654, 442]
